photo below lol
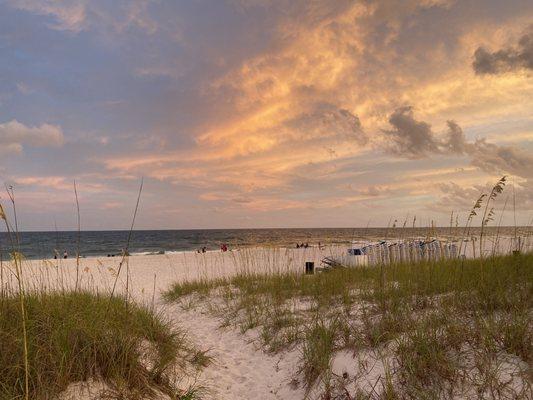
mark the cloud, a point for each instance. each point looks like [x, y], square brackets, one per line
[55, 182]
[414, 139]
[496, 159]
[112, 205]
[462, 197]
[15, 135]
[456, 141]
[303, 97]
[67, 15]
[327, 121]
[80, 15]
[374, 191]
[278, 104]
[487, 156]
[410, 138]
[24, 88]
[458, 197]
[507, 59]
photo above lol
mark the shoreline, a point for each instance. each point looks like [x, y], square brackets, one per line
[241, 366]
[95, 244]
[504, 241]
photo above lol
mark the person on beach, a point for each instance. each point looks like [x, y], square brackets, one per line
[224, 248]
[65, 254]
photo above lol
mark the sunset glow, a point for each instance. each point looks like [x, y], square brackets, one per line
[261, 113]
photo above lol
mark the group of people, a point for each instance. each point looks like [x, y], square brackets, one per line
[65, 254]
[56, 254]
[223, 248]
[306, 245]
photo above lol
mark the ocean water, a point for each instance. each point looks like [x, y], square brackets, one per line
[34, 245]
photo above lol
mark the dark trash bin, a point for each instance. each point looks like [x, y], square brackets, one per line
[309, 268]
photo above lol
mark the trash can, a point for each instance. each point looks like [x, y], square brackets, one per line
[309, 268]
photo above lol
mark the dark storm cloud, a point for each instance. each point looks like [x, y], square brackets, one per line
[413, 139]
[455, 142]
[507, 59]
[410, 138]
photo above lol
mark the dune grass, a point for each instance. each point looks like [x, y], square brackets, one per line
[443, 328]
[79, 336]
[52, 336]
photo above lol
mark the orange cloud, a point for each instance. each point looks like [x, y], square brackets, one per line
[322, 92]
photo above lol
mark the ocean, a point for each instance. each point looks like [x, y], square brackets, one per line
[36, 245]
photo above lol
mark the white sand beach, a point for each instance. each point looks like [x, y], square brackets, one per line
[164, 269]
[240, 370]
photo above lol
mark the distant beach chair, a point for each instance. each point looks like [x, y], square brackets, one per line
[329, 263]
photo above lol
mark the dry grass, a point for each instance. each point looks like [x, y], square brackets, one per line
[52, 338]
[433, 323]
[79, 336]
[438, 329]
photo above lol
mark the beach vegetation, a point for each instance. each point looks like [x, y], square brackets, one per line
[55, 337]
[444, 328]
[79, 336]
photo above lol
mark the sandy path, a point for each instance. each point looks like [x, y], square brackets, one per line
[239, 370]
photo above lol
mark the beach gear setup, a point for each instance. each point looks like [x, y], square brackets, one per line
[389, 252]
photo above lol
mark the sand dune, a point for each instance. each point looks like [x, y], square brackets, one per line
[240, 370]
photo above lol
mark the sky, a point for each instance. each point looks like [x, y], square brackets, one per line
[264, 113]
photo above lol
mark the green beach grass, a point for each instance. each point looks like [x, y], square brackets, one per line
[453, 328]
[52, 338]
[439, 329]
[81, 336]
